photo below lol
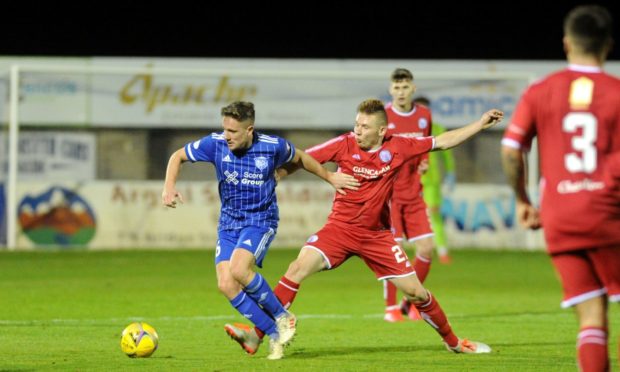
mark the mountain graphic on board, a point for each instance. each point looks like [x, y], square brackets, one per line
[57, 217]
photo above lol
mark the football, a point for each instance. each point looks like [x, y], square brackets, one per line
[139, 340]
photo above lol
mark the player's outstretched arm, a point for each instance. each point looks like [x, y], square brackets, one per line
[455, 137]
[514, 168]
[286, 169]
[170, 194]
[449, 179]
[340, 181]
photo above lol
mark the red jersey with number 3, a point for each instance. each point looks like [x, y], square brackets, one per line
[368, 207]
[415, 123]
[575, 113]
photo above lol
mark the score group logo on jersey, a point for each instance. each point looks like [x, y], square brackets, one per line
[58, 217]
[248, 178]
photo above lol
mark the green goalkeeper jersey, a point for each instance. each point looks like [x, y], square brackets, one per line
[433, 176]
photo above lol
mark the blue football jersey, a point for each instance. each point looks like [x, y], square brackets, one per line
[246, 180]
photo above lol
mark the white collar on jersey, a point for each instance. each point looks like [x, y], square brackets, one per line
[582, 68]
[405, 114]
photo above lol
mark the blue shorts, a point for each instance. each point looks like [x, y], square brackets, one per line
[251, 238]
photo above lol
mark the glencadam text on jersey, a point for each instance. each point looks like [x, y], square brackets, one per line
[370, 173]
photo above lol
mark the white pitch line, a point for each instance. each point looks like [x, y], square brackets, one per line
[164, 318]
[233, 317]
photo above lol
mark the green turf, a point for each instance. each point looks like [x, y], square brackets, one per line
[65, 311]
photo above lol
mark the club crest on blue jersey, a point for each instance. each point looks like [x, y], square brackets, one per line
[423, 123]
[261, 162]
[385, 156]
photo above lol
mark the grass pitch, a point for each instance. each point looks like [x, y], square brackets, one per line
[66, 310]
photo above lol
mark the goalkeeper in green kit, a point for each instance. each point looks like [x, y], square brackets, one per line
[440, 163]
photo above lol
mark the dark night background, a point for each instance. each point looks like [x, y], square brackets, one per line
[406, 30]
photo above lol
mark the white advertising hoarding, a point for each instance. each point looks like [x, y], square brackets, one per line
[48, 98]
[52, 155]
[287, 94]
[483, 215]
[184, 92]
[105, 214]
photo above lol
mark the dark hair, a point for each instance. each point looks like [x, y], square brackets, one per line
[590, 27]
[373, 107]
[401, 74]
[239, 110]
[423, 101]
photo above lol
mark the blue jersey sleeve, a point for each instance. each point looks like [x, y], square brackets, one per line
[286, 152]
[201, 150]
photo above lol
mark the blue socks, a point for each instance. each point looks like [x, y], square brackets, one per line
[260, 292]
[251, 311]
[259, 304]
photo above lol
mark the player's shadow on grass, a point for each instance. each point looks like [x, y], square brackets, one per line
[321, 352]
[499, 345]
[510, 315]
[304, 353]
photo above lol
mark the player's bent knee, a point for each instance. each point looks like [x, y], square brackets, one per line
[425, 247]
[298, 270]
[241, 274]
[294, 270]
[593, 312]
[417, 294]
[228, 288]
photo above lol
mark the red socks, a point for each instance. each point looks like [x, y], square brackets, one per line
[433, 314]
[389, 293]
[285, 291]
[592, 352]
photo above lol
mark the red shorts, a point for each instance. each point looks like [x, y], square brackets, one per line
[410, 220]
[589, 273]
[336, 242]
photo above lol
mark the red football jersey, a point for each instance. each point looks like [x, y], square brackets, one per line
[575, 113]
[415, 123]
[368, 207]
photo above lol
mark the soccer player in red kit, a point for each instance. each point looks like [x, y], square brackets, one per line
[359, 224]
[409, 214]
[575, 113]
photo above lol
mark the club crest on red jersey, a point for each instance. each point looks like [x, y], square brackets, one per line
[312, 239]
[385, 156]
[423, 123]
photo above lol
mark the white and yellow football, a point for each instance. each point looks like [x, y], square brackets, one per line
[139, 340]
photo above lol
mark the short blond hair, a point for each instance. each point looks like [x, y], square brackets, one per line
[373, 107]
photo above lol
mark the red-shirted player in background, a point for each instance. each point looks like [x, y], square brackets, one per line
[409, 214]
[575, 113]
[359, 224]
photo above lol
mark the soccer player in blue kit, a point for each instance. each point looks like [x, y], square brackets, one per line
[245, 163]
